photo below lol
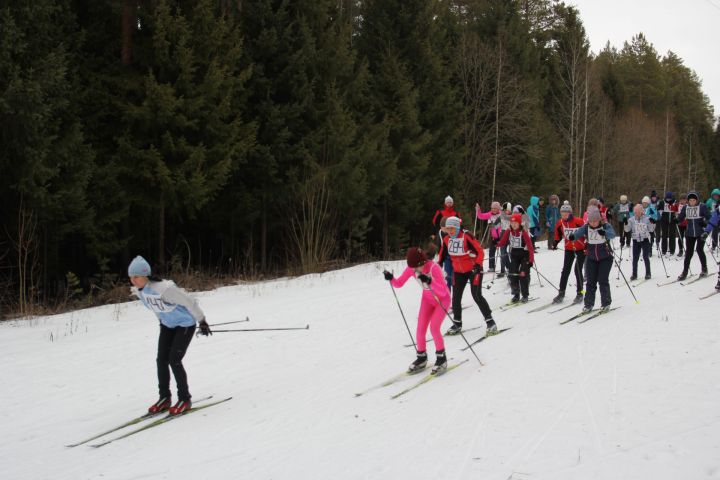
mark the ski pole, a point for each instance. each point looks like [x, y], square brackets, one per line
[306, 327]
[681, 245]
[475, 224]
[247, 319]
[663, 263]
[403, 315]
[623, 275]
[448, 315]
[543, 276]
[621, 250]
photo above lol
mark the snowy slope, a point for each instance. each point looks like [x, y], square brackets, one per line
[633, 395]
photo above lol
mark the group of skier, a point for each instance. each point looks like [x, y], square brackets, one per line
[512, 232]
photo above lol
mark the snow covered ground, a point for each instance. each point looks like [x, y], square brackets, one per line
[631, 395]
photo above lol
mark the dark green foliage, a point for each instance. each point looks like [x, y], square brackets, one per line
[253, 137]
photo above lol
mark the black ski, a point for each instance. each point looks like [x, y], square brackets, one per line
[427, 378]
[595, 315]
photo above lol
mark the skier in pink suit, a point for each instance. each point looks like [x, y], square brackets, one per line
[430, 276]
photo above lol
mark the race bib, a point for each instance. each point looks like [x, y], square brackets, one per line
[641, 229]
[624, 208]
[156, 304]
[515, 242]
[504, 223]
[594, 238]
[692, 213]
[569, 231]
[456, 246]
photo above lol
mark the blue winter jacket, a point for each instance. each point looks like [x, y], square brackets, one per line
[714, 221]
[533, 212]
[696, 217]
[652, 212]
[552, 215]
[596, 246]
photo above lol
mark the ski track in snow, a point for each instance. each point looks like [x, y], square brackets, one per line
[631, 395]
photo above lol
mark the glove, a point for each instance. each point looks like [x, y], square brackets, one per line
[425, 279]
[704, 236]
[601, 232]
[554, 247]
[388, 276]
[571, 237]
[530, 265]
[204, 328]
[653, 221]
[477, 269]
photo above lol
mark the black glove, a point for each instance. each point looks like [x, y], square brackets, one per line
[530, 265]
[425, 279]
[204, 328]
[601, 231]
[388, 276]
[625, 221]
[571, 237]
[704, 236]
[653, 221]
[554, 247]
[477, 269]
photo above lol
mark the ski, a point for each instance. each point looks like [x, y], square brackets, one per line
[640, 282]
[595, 315]
[573, 304]
[426, 379]
[129, 423]
[662, 284]
[709, 295]
[510, 305]
[684, 283]
[575, 317]
[161, 421]
[541, 308]
[483, 338]
[389, 381]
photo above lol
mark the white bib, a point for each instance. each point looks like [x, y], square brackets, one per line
[456, 246]
[624, 208]
[692, 213]
[156, 303]
[594, 238]
[569, 231]
[515, 242]
[641, 229]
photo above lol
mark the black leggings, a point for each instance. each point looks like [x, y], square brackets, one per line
[172, 345]
[578, 258]
[639, 247]
[519, 274]
[598, 273]
[459, 282]
[695, 243]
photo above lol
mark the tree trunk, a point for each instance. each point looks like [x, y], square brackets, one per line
[128, 23]
[161, 230]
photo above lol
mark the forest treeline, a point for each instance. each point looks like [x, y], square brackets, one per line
[254, 137]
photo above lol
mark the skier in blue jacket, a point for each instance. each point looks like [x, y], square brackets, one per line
[652, 214]
[178, 314]
[696, 215]
[533, 212]
[712, 226]
[552, 216]
[599, 258]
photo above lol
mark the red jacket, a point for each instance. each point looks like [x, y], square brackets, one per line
[444, 213]
[522, 238]
[564, 228]
[465, 252]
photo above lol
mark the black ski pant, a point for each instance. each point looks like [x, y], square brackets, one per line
[578, 258]
[695, 243]
[519, 274]
[714, 236]
[493, 251]
[598, 272]
[459, 282]
[172, 345]
[643, 247]
[668, 235]
[504, 259]
[625, 237]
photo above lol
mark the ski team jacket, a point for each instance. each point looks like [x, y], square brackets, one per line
[640, 229]
[652, 212]
[622, 211]
[714, 221]
[695, 217]
[667, 211]
[711, 204]
[552, 216]
[494, 223]
[465, 252]
[567, 227]
[517, 242]
[172, 306]
[533, 212]
[437, 286]
[597, 248]
[444, 213]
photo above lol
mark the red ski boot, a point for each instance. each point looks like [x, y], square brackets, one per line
[181, 406]
[161, 405]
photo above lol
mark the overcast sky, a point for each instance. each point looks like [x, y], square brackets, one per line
[690, 28]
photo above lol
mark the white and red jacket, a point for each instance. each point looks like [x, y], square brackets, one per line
[517, 240]
[464, 250]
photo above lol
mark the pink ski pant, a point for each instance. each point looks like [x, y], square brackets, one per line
[431, 315]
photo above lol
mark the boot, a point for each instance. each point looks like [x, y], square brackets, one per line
[633, 277]
[180, 407]
[560, 297]
[419, 364]
[515, 298]
[586, 309]
[440, 363]
[524, 299]
[491, 327]
[704, 272]
[717, 286]
[648, 276]
[161, 405]
[578, 298]
[455, 328]
[683, 275]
